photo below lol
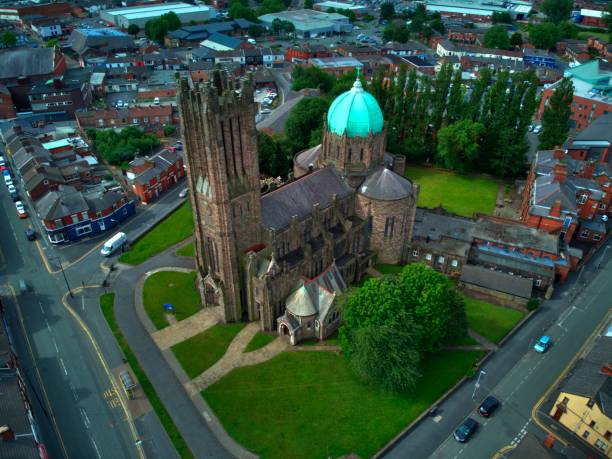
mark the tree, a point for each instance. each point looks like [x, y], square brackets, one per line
[516, 40]
[607, 17]
[556, 116]
[255, 30]
[311, 77]
[308, 4]
[274, 160]
[237, 11]
[544, 36]
[8, 39]
[387, 10]
[305, 117]
[171, 20]
[52, 43]
[386, 355]
[502, 17]
[497, 37]
[557, 10]
[169, 130]
[458, 145]
[393, 32]
[118, 147]
[133, 29]
[271, 6]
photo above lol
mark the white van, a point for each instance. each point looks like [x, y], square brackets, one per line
[252, 41]
[156, 101]
[113, 244]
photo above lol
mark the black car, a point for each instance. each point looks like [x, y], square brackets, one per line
[488, 406]
[465, 430]
[30, 234]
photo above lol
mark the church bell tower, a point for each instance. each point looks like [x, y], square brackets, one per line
[220, 145]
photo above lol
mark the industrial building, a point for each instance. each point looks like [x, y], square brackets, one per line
[359, 10]
[310, 23]
[480, 10]
[139, 15]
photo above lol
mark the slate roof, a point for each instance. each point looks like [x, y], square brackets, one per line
[307, 157]
[599, 130]
[26, 62]
[498, 281]
[105, 39]
[297, 198]
[385, 185]
[57, 204]
[224, 40]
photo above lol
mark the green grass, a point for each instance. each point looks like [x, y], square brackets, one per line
[176, 288]
[106, 304]
[490, 321]
[330, 341]
[601, 35]
[361, 281]
[461, 194]
[466, 340]
[388, 269]
[188, 250]
[201, 351]
[173, 229]
[309, 405]
[258, 341]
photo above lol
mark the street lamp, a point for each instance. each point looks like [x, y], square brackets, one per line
[477, 384]
[64, 275]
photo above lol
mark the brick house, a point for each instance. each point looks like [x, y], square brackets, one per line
[7, 107]
[592, 89]
[150, 177]
[568, 191]
[303, 53]
[152, 115]
[61, 95]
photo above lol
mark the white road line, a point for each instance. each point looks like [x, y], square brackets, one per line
[55, 345]
[41, 307]
[85, 417]
[83, 302]
[48, 326]
[96, 448]
[63, 366]
[74, 393]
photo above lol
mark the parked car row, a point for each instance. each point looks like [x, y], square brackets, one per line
[12, 189]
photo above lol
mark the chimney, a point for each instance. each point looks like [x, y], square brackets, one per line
[589, 167]
[399, 164]
[555, 210]
[560, 171]
[558, 152]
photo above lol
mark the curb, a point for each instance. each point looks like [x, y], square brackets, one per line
[518, 326]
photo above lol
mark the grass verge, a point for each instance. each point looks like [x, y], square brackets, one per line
[107, 305]
[188, 250]
[200, 352]
[460, 194]
[489, 320]
[276, 408]
[171, 230]
[173, 287]
[258, 341]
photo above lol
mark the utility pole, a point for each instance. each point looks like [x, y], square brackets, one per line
[64, 275]
[477, 384]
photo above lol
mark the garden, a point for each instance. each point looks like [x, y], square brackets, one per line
[170, 288]
[491, 321]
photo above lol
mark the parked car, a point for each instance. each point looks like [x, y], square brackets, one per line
[21, 212]
[488, 406]
[8, 180]
[465, 430]
[542, 344]
[156, 101]
[6, 172]
[183, 193]
[12, 189]
[114, 243]
[30, 234]
[537, 129]
[2, 163]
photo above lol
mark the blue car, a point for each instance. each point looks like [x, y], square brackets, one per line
[465, 430]
[543, 343]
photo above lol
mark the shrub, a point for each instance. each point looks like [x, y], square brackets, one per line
[533, 304]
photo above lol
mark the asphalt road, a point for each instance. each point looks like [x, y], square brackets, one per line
[82, 416]
[516, 375]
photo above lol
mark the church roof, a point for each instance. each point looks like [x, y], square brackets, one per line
[297, 198]
[315, 296]
[307, 157]
[385, 185]
[355, 113]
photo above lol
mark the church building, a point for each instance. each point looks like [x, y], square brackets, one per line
[280, 258]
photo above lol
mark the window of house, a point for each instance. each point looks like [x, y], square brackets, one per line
[596, 237]
[415, 253]
[565, 400]
[441, 260]
[361, 154]
[601, 444]
[585, 434]
[135, 120]
[57, 237]
[428, 257]
[608, 435]
[592, 424]
[81, 230]
[454, 263]
[389, 223]
[583, 198]
[538, 282]
[590, 403]
[585, 233]
[350, 154]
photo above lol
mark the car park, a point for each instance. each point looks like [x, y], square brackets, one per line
[542, 344]
[21, 212]
[465, 430]
[488, 406]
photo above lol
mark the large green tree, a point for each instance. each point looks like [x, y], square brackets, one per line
[516, 40]
[8, 39]
[274, 159]
[458, 145]
[156, 29]
[387, 10]
[556, 116]
[118, 147]
[306, 116]
[311, 77]
[133, 29]
[557, 10]
[497, 37]
[544, 36]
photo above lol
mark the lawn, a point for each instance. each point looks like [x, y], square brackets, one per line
[461, 194]
[201, 351]
[491, 321]
[258, 341]
[107, 306]
[601, 35]
[388, 269]
[173, 229]
[309, 405]
[175, 288]
[188, 250]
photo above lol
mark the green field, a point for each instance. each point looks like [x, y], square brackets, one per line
[460, 194]
[490, 321]
[258, 341]
[107, 306]
[175, 288]
[188, 250]
[309, 405]
[201, 351]
[175, 228]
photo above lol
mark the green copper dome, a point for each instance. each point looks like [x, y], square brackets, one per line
[355, 112]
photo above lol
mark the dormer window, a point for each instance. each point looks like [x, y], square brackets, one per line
[583, 198]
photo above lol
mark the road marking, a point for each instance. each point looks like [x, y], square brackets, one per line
[83, 302]
[85, 418]
[41, 307]
[63, 366]
[74, 393]
[55, 345]
[48, 326]
[96, 448]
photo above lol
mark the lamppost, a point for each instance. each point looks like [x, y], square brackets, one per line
[63, 274]
[477, 383]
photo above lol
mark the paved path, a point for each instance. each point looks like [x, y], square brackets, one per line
[185, 329]
[235, 357]
[485, 343]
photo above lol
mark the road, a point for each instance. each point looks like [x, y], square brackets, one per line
[516, 375]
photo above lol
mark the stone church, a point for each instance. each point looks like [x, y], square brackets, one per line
[280, 258]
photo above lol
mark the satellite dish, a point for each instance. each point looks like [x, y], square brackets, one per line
[604, 218]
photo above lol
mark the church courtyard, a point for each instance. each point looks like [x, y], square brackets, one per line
[457, 193]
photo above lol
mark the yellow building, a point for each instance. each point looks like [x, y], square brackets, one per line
[584, 405]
